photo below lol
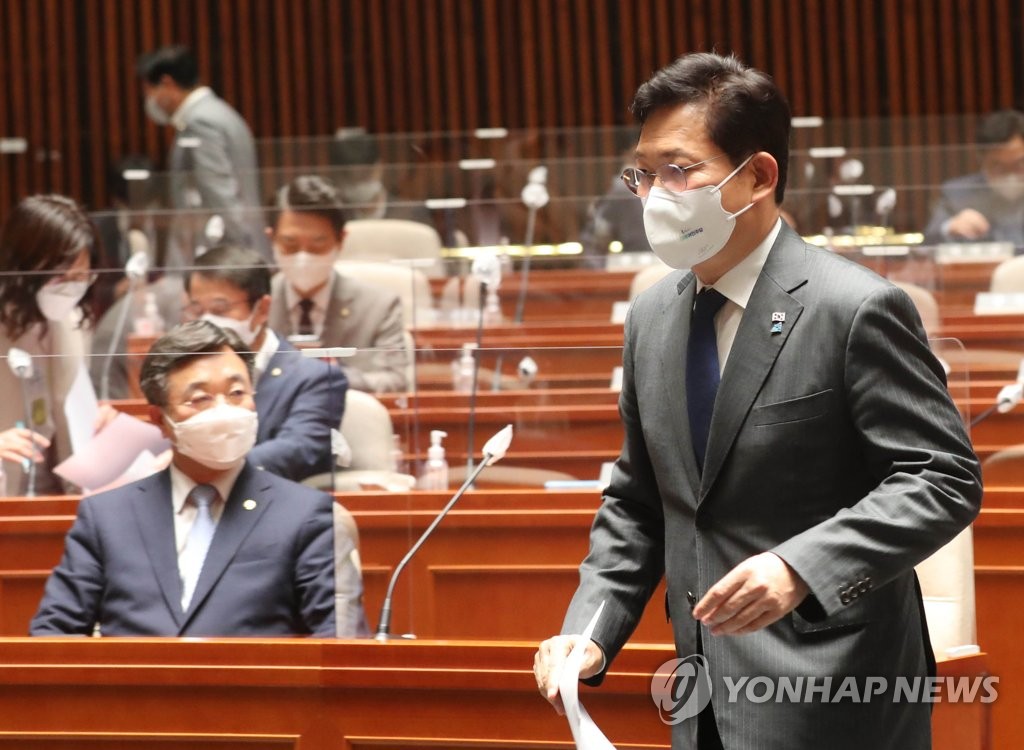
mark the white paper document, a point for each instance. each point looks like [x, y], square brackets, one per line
[112, 452]
[585, 732]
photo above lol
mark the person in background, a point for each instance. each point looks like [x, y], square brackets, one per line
[298, 400]
[988, 205]
[212, 164]
[359, 176]
[311, 299]
[211, 545]
[791, 450]
[45, 310]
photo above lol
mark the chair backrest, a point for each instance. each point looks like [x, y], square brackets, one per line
[384, 239]
[648, 277]
[367, 428]
[1005, 467]
[1008, 276]
[349, 615]
[410, 284]
[927, 306]
[947, 586]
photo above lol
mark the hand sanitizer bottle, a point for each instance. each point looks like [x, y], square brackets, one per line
[435, 471]
[463, 368]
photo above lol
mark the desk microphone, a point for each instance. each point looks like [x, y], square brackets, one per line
[20, 363]
[135, 270]
[535, 197]
[494, 450]
[1008, 398]
[487, 268]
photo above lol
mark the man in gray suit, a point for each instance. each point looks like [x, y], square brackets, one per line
[791, 450]
[212, 164]
[309, 298]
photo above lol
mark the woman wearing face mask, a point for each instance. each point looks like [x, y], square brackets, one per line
[44, 310]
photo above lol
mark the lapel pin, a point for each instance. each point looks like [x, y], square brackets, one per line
[778, 318]
[343, 312]
[276, 371]
[249, 504]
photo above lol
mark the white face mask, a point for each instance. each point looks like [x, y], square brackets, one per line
[687, 228]
[304, 270]
[56, 301]
[242, 327]
[155, 112]
[218, 438]
[1009, 187]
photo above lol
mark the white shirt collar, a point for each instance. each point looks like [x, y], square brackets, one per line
[182, 484]
[737, 284]
[267, 351]
[178, 118]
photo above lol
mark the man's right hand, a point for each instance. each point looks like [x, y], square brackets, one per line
[17, 444]
[968, 224]
[550, 658]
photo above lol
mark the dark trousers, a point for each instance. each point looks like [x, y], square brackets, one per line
[707, 729]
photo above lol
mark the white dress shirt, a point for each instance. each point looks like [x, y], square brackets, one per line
[266, 352]
[736, 285]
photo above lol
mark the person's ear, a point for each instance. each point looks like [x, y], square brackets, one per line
[261, 311]
[341, 239]
[766, 175]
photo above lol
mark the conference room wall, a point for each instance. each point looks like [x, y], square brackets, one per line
[310, 66]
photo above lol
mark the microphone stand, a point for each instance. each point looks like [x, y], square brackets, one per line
[384, 628]
[470, 427]
[985, 415]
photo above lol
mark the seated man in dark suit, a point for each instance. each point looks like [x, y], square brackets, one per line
[211, 546]
[311, 298]
[986, 206]
[298, 400]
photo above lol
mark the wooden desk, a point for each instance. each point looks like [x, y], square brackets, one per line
[98, 694]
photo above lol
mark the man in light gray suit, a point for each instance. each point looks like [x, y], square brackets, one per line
[212, 164]
[309, 298]
[791, 450]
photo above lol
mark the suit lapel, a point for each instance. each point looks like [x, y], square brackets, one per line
[236, 522]
[154, 515]
[339, 308]
[673, 366]
[755, 348]
[269, 385]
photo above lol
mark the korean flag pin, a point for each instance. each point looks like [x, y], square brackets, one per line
[778, 318]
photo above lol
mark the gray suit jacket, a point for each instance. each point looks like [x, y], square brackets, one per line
[220, 165]
[269, 571]
[1006, 218]
[834, 444]
[360, 315]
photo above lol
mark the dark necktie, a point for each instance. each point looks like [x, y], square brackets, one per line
[305, 317]
[702, 374]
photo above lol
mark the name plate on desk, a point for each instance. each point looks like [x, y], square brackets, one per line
[999, 303]
[973, 252]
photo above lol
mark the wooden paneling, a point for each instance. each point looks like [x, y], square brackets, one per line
[308, 67]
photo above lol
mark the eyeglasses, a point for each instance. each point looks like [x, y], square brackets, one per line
[202, 400]
[671, 176]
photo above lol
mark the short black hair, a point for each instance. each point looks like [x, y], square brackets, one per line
[311, 194]
[242, 267]
[999, 127]
[181, 345]
[354, 148]
[175, 61]
[745, 112]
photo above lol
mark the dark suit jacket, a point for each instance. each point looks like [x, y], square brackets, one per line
[269, 570]
[972, 191]
[360, 315]
[299, 401]
[834, 444]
